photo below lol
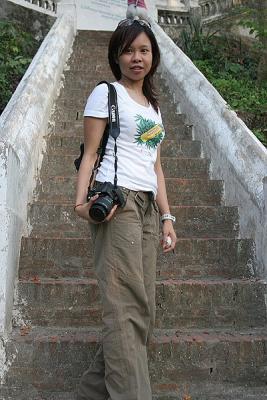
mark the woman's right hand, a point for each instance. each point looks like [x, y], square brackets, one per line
[83, 211]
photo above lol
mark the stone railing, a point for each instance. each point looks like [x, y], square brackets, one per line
[174, 18]
[173, 22]
[207, 10]
[236, 155]
[23, 124]
[48, 7]
[213, 8]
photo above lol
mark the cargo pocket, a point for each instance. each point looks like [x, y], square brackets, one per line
[126, 233]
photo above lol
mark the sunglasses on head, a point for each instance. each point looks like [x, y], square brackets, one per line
[129, 22]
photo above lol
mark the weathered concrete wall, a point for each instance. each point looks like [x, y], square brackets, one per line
[33, 21]
[22, 127]
[230, 26]
[236, 155]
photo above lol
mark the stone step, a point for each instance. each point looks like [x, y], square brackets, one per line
[80, 94]
[213, 303]
[59, 220]
[80, 65]
[29, 392]
[181, 168]
[99, 71]
[68, 110]
[77, 80]
[86, 52]
[99, 36]
[54, 359]
[89, 80]
[209, 391]
[185, 168]
[173, 130]
[183, 391]
[173, 148]
[60, 189]
[87, 49]
[199, 391]
[228, 258]
[193, 258]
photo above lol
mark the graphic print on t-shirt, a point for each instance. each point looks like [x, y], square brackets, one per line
[148, 133]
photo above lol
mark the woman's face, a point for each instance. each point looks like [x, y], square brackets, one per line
[136, 61]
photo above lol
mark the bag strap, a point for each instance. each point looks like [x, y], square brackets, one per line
[114, 125]
[112, 129]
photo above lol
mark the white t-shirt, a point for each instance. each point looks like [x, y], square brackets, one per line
[141, 132]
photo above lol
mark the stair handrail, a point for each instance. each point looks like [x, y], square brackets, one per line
[23, 124]
[48, 7]
[236, 155]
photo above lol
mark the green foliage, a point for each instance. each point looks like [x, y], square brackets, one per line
[240, 92]
[254, 17]
[261, 135]
[231, 69]
[17, 48]
[194, 42]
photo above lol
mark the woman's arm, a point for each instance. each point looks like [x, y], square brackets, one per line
[93, 132]
[164, 208]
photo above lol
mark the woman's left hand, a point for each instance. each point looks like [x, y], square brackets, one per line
[169, 239]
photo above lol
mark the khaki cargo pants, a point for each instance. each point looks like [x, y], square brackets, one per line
[125, 264]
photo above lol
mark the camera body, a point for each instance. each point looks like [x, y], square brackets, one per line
[109, 196]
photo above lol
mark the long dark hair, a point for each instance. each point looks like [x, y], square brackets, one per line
[121, 40]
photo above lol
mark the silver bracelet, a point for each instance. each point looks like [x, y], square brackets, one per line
[168, 216]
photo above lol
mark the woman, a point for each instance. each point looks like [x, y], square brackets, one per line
[125, 244]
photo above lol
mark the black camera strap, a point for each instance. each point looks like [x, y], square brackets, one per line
[114, 124]
[112, 129]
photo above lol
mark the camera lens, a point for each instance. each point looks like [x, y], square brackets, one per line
[101, 208]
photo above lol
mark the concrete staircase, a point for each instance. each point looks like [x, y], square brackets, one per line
[210, 337]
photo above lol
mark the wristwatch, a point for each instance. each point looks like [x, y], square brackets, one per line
[168, 216]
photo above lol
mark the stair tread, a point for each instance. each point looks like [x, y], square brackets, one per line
[172, 281]
[186, 391]
[162, 158]
[193, 258]
[177, 207]
[49, 219]
[93, 334]
[195, 239]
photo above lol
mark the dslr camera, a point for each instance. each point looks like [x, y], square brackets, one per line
[109, 196]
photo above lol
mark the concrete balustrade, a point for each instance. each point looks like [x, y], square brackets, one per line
[48, 7]
[206, 9]
[237, 156]
[23, 124]
[211, 8]
[176, 18]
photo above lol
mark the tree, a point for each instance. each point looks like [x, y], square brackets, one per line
[255, 18]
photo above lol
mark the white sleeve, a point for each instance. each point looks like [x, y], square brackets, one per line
[97, 102]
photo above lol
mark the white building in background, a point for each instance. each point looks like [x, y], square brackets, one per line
[176, 4]
[170, 4]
